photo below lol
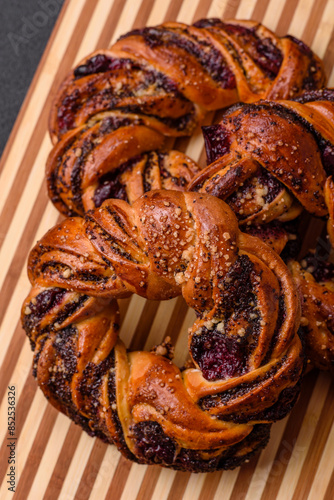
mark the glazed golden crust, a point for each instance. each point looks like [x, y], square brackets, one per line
[272, 158]
[120, 104]
[315, 282]
[246, 353]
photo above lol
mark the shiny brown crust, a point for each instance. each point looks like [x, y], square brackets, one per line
[246, 354]
[317, 301]
[272, 158]
[157, 82]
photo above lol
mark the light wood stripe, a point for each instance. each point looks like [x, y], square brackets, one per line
[304, 437]
[300, 17]
[29, 430]
[265, 463]
[324, 471]
[324, 32]
[226, 484]
[48, 462]
[106, 470]
[75, 471]
[194, 486]
[134, 481]
[56, 459]
[273, 14]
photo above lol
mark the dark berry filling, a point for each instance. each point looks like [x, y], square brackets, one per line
[217, 356]
[65, 116]
[262, 50]
[100, 64]
[42, 303]
[270, 57]
[152, 444]
[207, 23]
[217, 142]
[110, 185]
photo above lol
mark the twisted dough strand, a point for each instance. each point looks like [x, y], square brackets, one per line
[118, 105]
[246, 353]
[315, 281]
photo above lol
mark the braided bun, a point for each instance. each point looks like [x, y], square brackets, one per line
[119, 104]
[246, 354]
[271, 159]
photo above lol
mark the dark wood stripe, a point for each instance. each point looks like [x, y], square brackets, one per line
[110, 24]
[24, 401]
[288, 440]
[119, 480]
[63, 463]
[176, 319]
[27, 476]
[148, 483]
[330, 488]
[91, 470]
[26, 241]
[201, 11]
[286, 16]
[329, 55]
[123, 307]
[179, 485]
[231, 9]
[244, 479]
[142, 14]
[313, 22]
[173, 10]
[8, 366]
[144, 325]
[260, 10]
[210, 486]
[316, 448]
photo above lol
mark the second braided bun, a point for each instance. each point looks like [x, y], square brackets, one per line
[119, 104]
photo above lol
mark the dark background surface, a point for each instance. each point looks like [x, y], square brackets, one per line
[25, 27]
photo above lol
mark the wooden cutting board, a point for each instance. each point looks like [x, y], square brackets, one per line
[54, 458]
